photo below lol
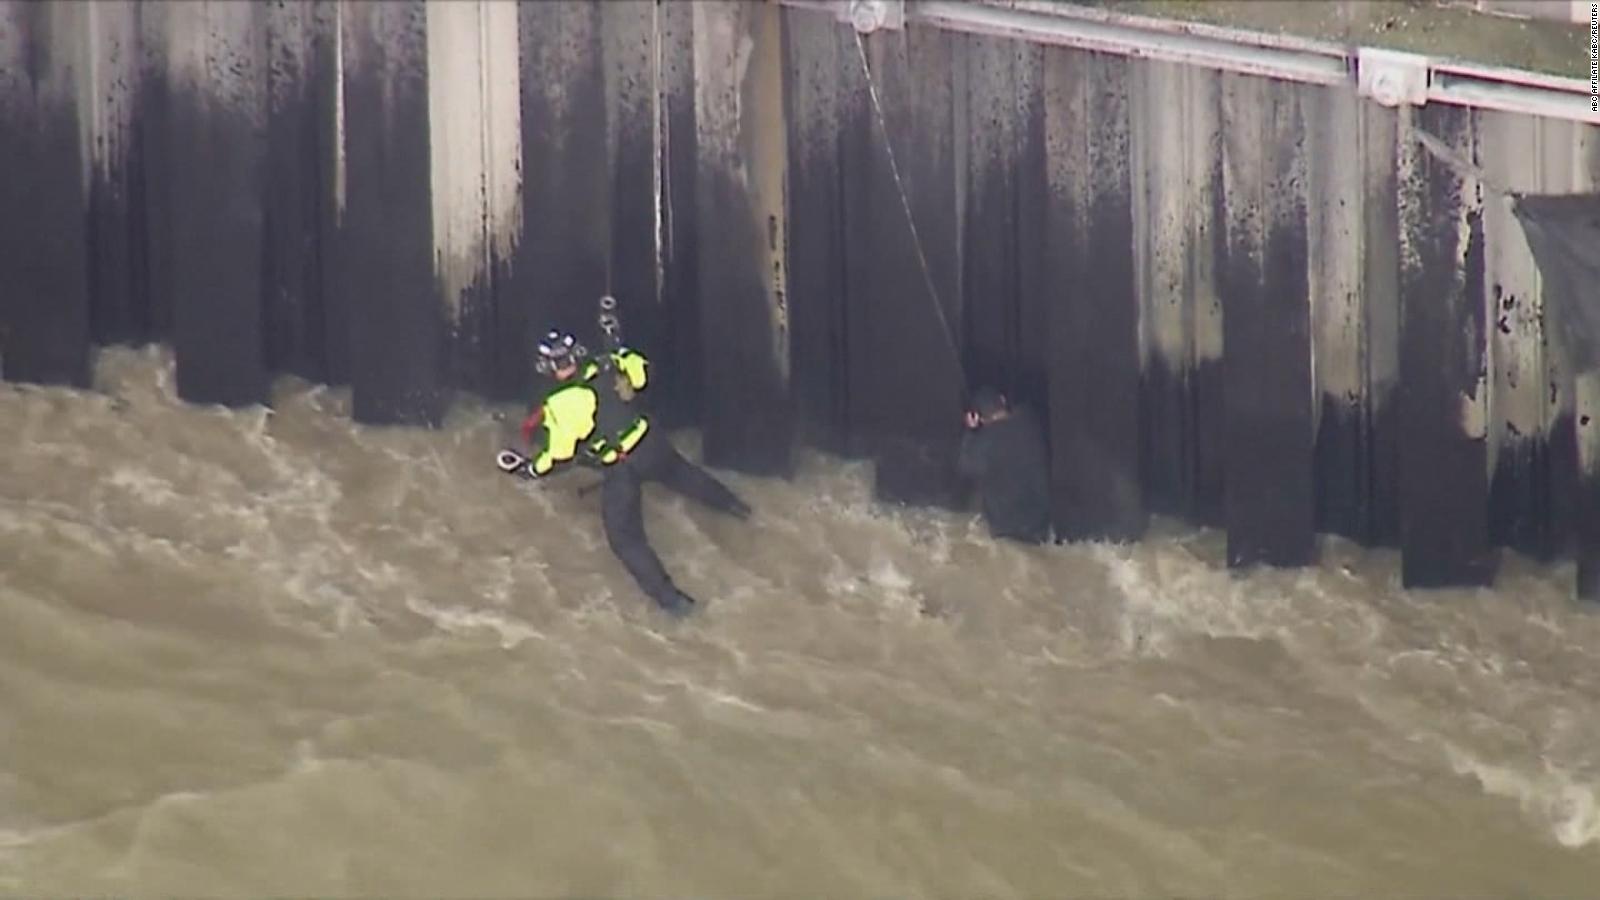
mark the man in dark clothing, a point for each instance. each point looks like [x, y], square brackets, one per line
[1004, 452]
[589, 418]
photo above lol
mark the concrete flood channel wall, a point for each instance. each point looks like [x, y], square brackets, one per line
[1252, 304]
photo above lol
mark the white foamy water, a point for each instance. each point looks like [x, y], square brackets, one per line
[251, 653]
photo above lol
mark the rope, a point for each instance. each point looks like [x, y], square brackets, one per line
[1456, 161]
[905, 202]
[663, 167]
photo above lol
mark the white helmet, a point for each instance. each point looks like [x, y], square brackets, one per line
[558, 350]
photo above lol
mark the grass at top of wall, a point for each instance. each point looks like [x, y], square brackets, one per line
[1418, 26]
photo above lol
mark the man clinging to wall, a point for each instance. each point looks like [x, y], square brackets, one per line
[1004, 452]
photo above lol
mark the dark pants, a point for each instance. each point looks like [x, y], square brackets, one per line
[655, 459]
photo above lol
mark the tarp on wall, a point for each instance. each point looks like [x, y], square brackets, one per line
[1564, 233]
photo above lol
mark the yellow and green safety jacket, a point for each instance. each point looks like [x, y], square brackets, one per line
[590, 414]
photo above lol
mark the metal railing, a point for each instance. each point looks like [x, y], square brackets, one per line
[1389, 77]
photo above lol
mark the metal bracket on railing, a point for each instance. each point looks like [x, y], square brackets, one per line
[868, 16]
[1393, 78]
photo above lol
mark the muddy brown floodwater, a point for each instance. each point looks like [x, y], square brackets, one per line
[250, 654]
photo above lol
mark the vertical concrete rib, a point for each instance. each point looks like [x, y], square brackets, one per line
[1176, 142]
[503, 217]
[1560, 150]
[817, 298]
[991, 308]
[1335, 245]
[560, 267]
[45, 310]
[1204, 129]
[457, 174]
[475, 138]
[1160, 309]
[679, 384]
[1444, 345]
[1586, 412]
[628, 35]
[1520, 420]
[296, 332]
[908, 414]
[217, 67]
[396, 340]
[1093, 300]
[108, 94]
[1031, 187]
[1380, 332]
[1006, 304]
[739, 184]
[1586, 409]
[861, 167]
[154, 221]
[328, 337]
[1268, 391]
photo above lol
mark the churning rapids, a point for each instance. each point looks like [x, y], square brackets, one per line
[251, 653]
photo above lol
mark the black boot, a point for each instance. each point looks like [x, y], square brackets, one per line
[675, 602]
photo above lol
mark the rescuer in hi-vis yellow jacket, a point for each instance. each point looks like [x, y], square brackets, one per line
[589, 418]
